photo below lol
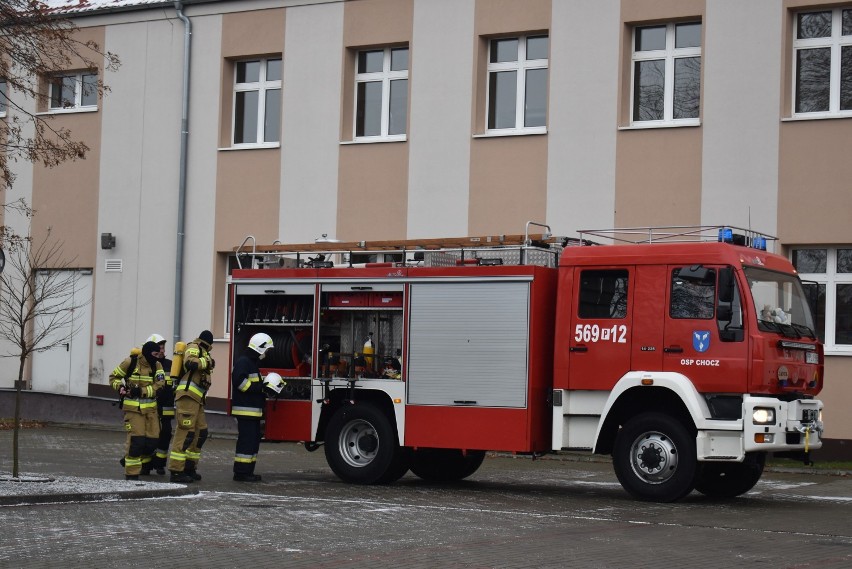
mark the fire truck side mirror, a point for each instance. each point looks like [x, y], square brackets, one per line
[726, 285]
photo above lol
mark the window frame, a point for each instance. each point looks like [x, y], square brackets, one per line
[78, 105]
[521, 65]
[830, 278]
[261, 86]
[835, 43]
[668, 55]
[386, 76]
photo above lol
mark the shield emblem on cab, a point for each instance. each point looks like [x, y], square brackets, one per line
[701, 340]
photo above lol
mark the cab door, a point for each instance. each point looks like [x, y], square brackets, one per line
[600, 334]
[704, 336]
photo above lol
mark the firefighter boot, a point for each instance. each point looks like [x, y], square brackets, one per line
[189, 470]
[181, 477]
[247, 477]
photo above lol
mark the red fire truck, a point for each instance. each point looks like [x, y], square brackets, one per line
[686, 358]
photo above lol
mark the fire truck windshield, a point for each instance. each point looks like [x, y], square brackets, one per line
[780, 302]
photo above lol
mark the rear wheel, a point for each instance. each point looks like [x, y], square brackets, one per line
[730, 479]
[361, 446]
[654, 458]
[446, 465]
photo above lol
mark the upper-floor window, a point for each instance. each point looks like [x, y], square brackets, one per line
[257, 101]
[823, 62]
[517, 83]
[74, 91]
[826, 273]
[381, 93]
[666, 82]
[3, 95]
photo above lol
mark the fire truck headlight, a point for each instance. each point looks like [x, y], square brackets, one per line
[763, 416]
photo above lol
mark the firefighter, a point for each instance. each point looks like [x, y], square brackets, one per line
[248, 401]
[165, 410]
[190, 393]
[137, 380]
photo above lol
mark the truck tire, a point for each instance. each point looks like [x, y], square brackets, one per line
[361, 446]
[730, 479]
[445, 465]
[654, 458]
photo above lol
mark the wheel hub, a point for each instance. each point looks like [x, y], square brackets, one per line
[653, 457]
[358, 443]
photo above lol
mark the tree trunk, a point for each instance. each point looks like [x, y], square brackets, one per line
[17, 425]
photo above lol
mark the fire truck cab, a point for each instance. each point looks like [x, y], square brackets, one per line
[686, 360]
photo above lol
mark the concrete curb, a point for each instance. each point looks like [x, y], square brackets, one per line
[63, 489]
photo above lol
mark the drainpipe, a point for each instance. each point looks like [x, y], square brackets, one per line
[184, 140]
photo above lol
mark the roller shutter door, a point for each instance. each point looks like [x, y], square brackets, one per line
[468, 344]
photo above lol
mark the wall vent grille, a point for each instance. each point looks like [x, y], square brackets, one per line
[114, 266]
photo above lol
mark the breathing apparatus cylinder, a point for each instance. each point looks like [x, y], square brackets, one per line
[177, 360]
[369, 350]
[135, 351]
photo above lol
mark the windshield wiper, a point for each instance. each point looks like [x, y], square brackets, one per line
[785, 330]
[805, 330]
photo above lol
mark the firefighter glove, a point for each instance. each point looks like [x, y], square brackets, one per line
[192, 366]
[135, 392]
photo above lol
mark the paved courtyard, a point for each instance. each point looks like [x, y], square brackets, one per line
[513, 513]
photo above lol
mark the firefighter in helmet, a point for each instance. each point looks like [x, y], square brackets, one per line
[248, 401]
[190, 394]
[165, 410]
[137, 380]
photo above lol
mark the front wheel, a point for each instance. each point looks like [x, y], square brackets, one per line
[445, 465]
[730, 479]
[654, 458]
[361, 446]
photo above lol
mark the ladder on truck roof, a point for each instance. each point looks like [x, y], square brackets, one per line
[527, 249]
[684, 234]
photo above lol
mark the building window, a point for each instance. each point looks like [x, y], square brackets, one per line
[827, 276]
[74, 91]
[517, 83]
[381, 93]
[823, 62]
[257, 101]
[666, 74]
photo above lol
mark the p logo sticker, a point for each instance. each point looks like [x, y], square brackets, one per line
[701, 340]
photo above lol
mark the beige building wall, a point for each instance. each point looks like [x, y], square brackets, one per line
[508, 174]
[373, 176]
[65, 197]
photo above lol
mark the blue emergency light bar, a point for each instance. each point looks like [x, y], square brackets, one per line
[727, 235]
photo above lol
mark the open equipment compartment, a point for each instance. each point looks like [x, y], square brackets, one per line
[286, 313]
[349, 316]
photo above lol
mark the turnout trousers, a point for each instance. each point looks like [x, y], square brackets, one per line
[249, 433]
[189, 437]
[142, 431]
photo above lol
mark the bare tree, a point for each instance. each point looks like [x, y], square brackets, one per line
[37, 307]
[36, 47]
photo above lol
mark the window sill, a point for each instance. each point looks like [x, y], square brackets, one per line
[497, 133]
[838, 351]
[375, 140]
[816, 117]
[68, 111]
[251, 146]
[650, 124]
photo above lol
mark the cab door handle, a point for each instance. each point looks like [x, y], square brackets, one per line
[578, 349]
[673, 350]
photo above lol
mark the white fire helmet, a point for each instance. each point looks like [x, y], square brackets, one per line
[156, 338]
[274, 382]
[260, 342]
